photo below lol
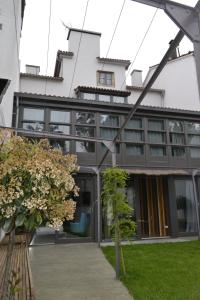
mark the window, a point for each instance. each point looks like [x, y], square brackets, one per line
[178, 151]
[134, 124]
[155, 133]
[61, 145]
[88, 96]
[85, 131]
[109, 120]
[105, 98]
[85, 147]
[175, 126]
[195, 152]
[157, 151]
[156, 125]
[118, 99]
[156, 137]
[108, 133]
[134, 149]
[59, 116]
[104, 148]
[193, 127]
[105, 78]
[177, 138]
[194, 139]
[33, 119]
[85, 118]
[56, 128]
[133, 135]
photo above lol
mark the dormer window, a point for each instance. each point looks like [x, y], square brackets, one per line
[105, 78]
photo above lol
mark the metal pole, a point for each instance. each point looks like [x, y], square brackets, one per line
[196, 201]
[98, 208]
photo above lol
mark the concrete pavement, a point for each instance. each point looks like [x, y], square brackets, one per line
[75, 272]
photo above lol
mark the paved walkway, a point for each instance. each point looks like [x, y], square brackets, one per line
[75, 272]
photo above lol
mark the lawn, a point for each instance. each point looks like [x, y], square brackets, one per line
[168, 271]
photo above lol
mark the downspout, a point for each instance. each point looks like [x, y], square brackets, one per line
[17, 112]
[194, 173]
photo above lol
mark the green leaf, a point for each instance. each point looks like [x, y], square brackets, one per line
[8, 225]
[19, 220]
[38, 218]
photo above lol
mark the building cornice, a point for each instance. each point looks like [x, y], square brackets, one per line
[121, 62]
[102, 91]
[28, 75]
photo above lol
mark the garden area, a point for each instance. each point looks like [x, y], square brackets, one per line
[167, 271]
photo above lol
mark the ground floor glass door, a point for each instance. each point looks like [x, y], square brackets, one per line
[153, 206]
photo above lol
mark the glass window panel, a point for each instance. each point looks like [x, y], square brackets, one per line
[109, 120]
[176, 126]
[134, 135]
[105, 78]
[195, 152]
[85, 118]
[156, 125]
[85, 131]
[118, 99]
[61, 145]
[85, 147]
[134, 124]
[134, 149]
[178, 151]
[104, 148]
[108, 134]
[193, 127]
[60, 116]
[157, 151]
[186, 214]
[156, 137]
[59, 128]
[34, 114]
[177, 138]
[194, 139]
[105, 98]
[33, 126]
[88, 96]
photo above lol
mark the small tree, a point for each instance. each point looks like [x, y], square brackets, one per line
[114, 198]
[36, 186]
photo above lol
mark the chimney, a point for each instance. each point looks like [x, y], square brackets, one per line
[30, 69]
[176, 53]
[136, 78]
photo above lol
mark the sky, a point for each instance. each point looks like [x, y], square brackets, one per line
[102, 17]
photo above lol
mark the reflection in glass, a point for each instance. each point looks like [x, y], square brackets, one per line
[60, 116]
[118, 99]
[175, 126]
[157, 151]
[194, 139]
[156, 137]
[60, 128]
[134, 124]
[134, 149]
[85, 131]
[178, 151]
[33, 126]
[105, 98]
[156, 125]
[134, 135]
[104, 148]
[177, 138]
[109, 120]
[85, 147]
[33, 114]
[186, 215]
[85, 118]
[61, 145]
[195, 152]
[193, 127]
[88, 96]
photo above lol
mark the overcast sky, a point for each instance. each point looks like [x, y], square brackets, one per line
[101, 16]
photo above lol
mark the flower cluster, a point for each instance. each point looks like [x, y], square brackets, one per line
[36, 182]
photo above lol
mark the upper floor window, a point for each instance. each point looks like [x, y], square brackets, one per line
[105, 78]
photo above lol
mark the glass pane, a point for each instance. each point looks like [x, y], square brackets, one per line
[118, 99]
[157, 151]
[33, 126]
[104, 148]
[105, 98]
[134, 124]
[186, 215]
[176, 126]
[156, 137]
[195, 152]
[134, 149]
[85, 131]
[85, 118]
[193, 127]
[61, 145]
[60, 116]
[177, 138]
[88, 96]
[133, 135]
[34, 114]
[194, 139]
[85, 147]
[109, 120]
[59, 128]
[108, 134]
[156, 125]
[178, 151]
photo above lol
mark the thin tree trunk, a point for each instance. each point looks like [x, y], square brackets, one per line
[8, 267]
[117, 248]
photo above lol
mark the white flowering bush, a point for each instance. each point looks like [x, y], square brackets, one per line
[36, 183]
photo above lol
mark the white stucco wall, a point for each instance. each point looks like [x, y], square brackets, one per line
[152, 98]
[179, 80]
[9, 67]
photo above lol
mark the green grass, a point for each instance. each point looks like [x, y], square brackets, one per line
[161, 271]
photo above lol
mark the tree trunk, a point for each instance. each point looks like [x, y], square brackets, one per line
[8, 267]
[117, 248]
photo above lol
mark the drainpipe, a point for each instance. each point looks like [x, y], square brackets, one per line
[97, 171]
[17, 112]
[194, 173]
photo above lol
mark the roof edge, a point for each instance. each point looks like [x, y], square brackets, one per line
[82, 31]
